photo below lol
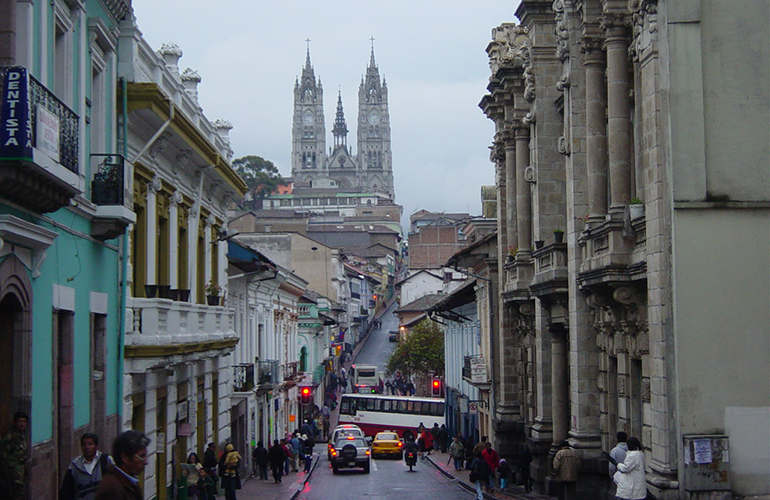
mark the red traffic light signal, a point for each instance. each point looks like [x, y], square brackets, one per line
[305, 395]
[436, 387]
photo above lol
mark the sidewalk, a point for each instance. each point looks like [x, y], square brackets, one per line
[253, 488]
[440, 461]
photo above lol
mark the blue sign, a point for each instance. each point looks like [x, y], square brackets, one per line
[15, 118]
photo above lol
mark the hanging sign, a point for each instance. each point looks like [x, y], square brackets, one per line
[15, 119]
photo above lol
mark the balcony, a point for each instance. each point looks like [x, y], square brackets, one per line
[291, 371]
[39, 144]
[243, 377]
[614, 253]
[551, 273]
[165, 332]
[108, 194]
[267, 375]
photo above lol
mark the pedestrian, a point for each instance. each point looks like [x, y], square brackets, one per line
[13, 457]
[121, 480]
[566, 465]
[85, 471]
[619, 451]
[493, 460]
[443, 436]
[276, 456]
[479, 475]
[457, 452]
[260, 456]
[287, 460]
[297, 454]
[192, 470]
[434, 433]
[522, 469]
[503, 472]
[629, 478]
[210, 462]
[307, 450]
[231, 478]
[480, 446]
[207, 489]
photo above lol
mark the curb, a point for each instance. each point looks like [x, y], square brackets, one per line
[307, 478]
[467, 486]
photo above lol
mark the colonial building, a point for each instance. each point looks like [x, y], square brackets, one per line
[180, 328]
[64, 209]
[370, 170]
[630, 154]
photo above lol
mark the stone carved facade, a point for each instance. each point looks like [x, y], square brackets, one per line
[586, 100]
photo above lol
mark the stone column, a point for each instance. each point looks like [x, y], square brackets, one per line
[151, 249]
[596, 129]
[523, 192]
[560, 384]
[620, 143]
[510, 190]
[173, 240]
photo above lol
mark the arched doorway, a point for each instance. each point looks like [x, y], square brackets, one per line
[16, 339]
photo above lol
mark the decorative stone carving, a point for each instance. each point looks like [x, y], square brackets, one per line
[155, 184]
[563, 146]
[561, 31]
[159, 145]
[644, 26]
[171, 53]
[190, 80]
[180, 161]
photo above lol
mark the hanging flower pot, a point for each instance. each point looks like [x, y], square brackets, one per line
[164, 291]
[150, 291]
[539, 244]
[212, 300]
[558, 236]
[184, 295]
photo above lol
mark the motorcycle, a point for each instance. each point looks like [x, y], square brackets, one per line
[411, 459]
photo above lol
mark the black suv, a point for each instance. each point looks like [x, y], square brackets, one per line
[351, 452]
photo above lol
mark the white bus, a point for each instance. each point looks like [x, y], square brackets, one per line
[374, 413]
[365, 379]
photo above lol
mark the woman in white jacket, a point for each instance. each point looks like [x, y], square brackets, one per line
[630, 475]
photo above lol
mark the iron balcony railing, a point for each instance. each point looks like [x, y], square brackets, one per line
[108, 186]
[291, 370]
[23, 95]
[68, 122]
[267, 372]
[243, 377]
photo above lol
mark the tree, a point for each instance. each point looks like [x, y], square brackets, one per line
[260, 175]
[422, 351]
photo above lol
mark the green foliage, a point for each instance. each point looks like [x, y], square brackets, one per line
[260, 175]
[422, 351]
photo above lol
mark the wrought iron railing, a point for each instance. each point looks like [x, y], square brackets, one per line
[68, 122]
[243, 377]
[108, 186]
[267, 372]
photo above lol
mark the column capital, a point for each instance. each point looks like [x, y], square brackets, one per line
[521, 130]
[615, 26]
[593, 48]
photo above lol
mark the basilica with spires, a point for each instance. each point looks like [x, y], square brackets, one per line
[367, 170]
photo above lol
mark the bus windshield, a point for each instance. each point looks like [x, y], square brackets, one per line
[376, 413]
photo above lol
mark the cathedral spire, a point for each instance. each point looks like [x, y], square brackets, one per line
[340, 129]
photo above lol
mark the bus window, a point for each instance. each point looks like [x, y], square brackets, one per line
[387, 405]
[401, 407]
[345, 407]
[440, 409]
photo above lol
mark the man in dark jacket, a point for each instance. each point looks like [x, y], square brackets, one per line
[260, 456]
[210, 462]
[480, 473]
[121, 481]
[85, 471]
[277, 457]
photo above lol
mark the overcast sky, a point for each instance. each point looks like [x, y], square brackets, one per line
[431, 53]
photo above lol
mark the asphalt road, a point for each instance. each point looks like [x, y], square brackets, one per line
[378, 348]
[389, 479]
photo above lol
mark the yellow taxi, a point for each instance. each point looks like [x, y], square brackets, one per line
[387, 443]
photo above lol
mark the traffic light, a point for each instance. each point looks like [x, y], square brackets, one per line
[436, 386]
[305, 395]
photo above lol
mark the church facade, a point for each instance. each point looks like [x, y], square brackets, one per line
[370, 170]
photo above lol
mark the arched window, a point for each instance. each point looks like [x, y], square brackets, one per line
[303, 359]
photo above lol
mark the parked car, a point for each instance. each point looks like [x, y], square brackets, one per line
[393, 336]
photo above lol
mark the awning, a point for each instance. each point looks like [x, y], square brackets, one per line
[247, 259]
